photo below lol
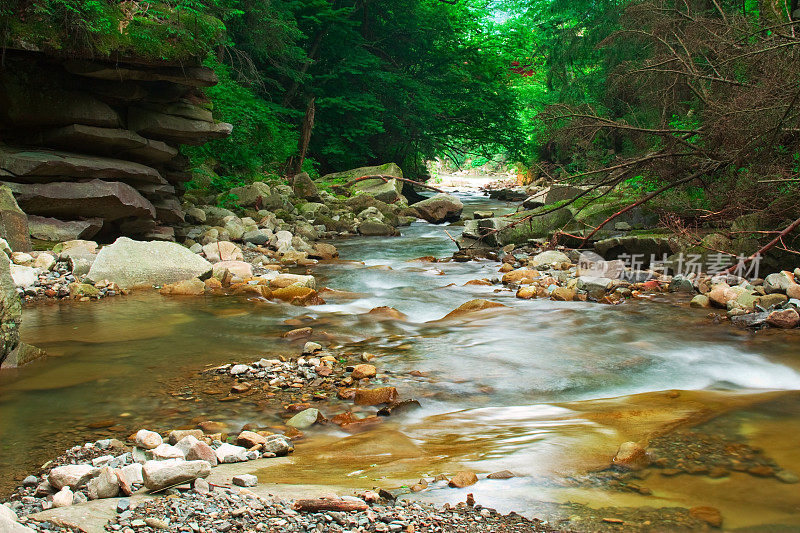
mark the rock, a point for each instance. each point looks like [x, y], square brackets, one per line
[13, 222]
[374, 227]
[750, 320]
[439, 208]
[387, 312]
[593, 284]
[159, 475]
[680, 284]
[522, 276]
[280, 445]
[462, 479]
[72, 476]
[305, 419]
[786, 476]
[249, 439]
[786, 319]
[132, 474]
[251, 195]
[631, 456]
[285, 280]
[148, 440]
[187, 287]
[503, 474]
[129, 263]
[237, 269]
[770, 300]
[238, 369]
[182, 75]
[63, 498]
[44, 261]
[700, 300]
[324, 251]
[55, 230]
[104, 485]
[363, 372]
[563, 294]
[7, 514]
[165, 451]
[22, 258]
[228, 453]
[381, 395]
[779, 282]
[176, 435]
[304, 187]
[548, 258]
[23, 276]
[245, 480]
[175, 129]
[222, 251]
[10, 309]
[200, 451]
[259, 237]
[311, 347]
[721, 294]
[709, 515]
[472, 306]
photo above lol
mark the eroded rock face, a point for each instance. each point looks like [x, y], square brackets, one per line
[13, 223]
[10, 309]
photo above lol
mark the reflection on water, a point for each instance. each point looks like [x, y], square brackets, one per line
[545, 389]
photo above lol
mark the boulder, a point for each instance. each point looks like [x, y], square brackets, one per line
[21, 355]
[10, 309]
[631, 456]
[23, 276]
[238, 269]
[187, 287]
[72, 476]
[55, 230]
[148, 440]
[176, 435]
[389, 191]
[95, 198]
[251, 195]
[280, 445]
[374, 227]
[786, 319]
[304, 187]
[304, 419]
[462, 479]
[228, 453]
[284, 280]
[548, 258]
[778, 282]
[381, 395]
[104, 485]
[200, 451]
[439, 208]
[29, 165]
[223, 251]
[13, 222]
[159, 475]
[129, 263]
[63, 498]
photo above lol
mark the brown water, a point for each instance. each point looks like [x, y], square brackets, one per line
[542, 388]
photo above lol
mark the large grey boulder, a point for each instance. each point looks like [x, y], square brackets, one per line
[130, 263]
[13, 222]
[304, 187]
[252, 194]
[390, 191]
[159, 475]
[95, 198]
[10, 309]
[439, 208]
[55, 230]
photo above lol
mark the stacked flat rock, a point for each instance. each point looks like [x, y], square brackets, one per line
[90, 147]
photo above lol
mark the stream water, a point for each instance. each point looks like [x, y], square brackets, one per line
[545, 389]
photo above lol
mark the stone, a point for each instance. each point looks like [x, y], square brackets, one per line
[680, 284]
[774, 299]
[750, 320]
[115, 71]
[363, 372]
[245, 480]
[237, 269]
[23, 276]
[222, 251]
[280, 445]
[44, 261]
[14, 225]
[249, 439]
[324, 251]
[709, 515]
[381, 395]
[700, 301]
[439, 208]
[72, 476]
[22, 258]
[311, 347]
[304, 187]
[285, 280]
[132, 474]
[63, 498]
[548, 258]
[258, 237]
[304, 419]
[147, 440]
[130, 263]
[563, 294]
[176, 435]
[104, 485]
[187, 287]
[778, 282]
[175, 129]
[252, 194]
[200, 451]
[10, 309]
[21, 355]
[55, 230]
[503, 474]
[159, 475]
[228, 453]
[165, 451]
[721, 294]
[472, 306]
[94, 198]
[631, 456]
[462, 479]
[593, 284]
[375, 228]
[7, 514]
[786, 319]
[389, 191]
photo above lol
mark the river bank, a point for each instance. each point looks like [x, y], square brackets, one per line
[488, 402]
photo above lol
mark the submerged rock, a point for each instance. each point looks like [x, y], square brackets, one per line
[472, 306]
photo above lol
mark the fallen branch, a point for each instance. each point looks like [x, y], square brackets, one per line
[385, 179]
[788, 229]
[318, 505]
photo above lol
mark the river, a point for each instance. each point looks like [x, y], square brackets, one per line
[545, 389]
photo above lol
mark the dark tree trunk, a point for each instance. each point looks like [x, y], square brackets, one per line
[305, 135]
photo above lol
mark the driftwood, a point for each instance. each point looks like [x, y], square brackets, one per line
[788, 229]
[319, 504]
[385, 179]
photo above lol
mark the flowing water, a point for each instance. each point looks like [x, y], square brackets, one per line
[545, 389]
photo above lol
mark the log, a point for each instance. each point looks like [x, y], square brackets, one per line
[319, 505]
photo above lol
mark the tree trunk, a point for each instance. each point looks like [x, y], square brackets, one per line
[305, 134]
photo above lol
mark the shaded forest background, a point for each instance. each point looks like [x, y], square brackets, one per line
[693, 102]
